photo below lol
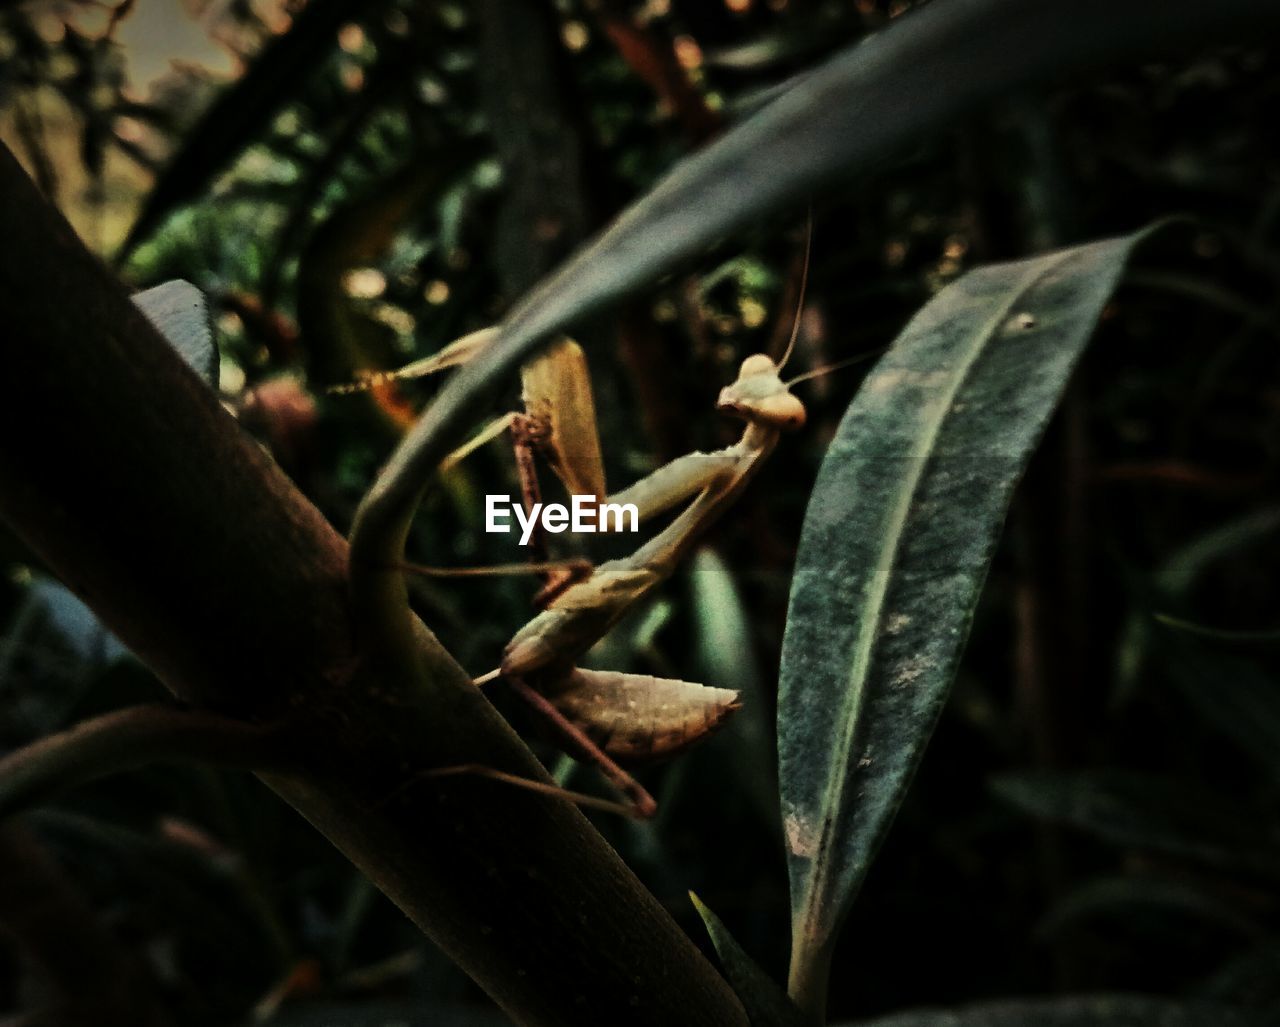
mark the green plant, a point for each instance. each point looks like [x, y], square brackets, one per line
[330, 664]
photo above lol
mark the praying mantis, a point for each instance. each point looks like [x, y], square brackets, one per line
[612, 717]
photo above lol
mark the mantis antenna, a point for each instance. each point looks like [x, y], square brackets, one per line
[804, 282]
[818, 372]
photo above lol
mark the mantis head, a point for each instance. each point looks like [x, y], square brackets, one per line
[760, 396]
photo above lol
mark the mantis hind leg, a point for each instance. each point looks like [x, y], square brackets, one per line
[530, 784]
[639, 802]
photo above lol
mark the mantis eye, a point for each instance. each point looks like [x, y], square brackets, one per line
[782, 410]
[777, 407]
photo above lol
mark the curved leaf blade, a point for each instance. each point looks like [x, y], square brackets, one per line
[912, 78]
[1178, 818]
[1081, 1011]
[897, 537]
[723, 653]
[1233, 696]
[766, 1003]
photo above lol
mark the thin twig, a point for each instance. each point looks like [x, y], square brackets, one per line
[131, 738]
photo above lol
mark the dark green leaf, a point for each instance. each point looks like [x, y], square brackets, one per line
[1081, 1011]
[853, 112]
[1252, 977]
[1233, 695]
[79, 626]
[386, 1013]
[50, 653]
[1218, 634]
[1149, 812]
[897, 538]
[1135, 902]
[725, 657]
[1183, 568]
[766, 1003]
[1174, 579]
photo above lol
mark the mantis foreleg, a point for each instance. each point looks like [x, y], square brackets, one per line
[676, 482]
[485, 435]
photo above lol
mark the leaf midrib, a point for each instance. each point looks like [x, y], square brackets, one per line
[838, 777]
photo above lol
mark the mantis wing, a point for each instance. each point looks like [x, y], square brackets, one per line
[635, 718]
[557, 395]
[557, 398]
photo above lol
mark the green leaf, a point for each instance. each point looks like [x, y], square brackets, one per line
[1081, 1011]
[1183, 568]
[1146, 907]
[1231, 695]
[725, 656]
[1191, 627]
[385, 1013]
[1251, 978]
[916, 76]
[766, 1003]
[897, 538]
[1143, 811]
[1172, 582]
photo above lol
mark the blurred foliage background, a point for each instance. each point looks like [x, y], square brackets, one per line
[356, 184]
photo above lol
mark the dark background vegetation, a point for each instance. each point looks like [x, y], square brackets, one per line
[1099, 808]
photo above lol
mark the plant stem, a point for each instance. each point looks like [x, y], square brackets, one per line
[128, 739]
[217, 572]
